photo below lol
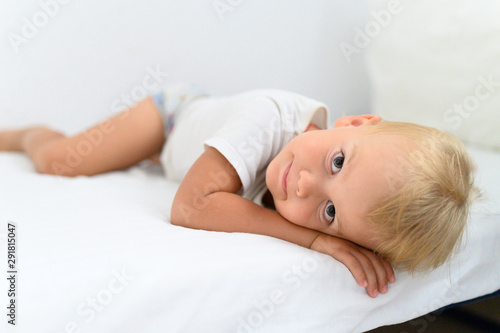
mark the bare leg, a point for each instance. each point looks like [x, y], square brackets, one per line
[114, 144]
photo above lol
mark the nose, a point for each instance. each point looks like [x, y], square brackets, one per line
[305, 184]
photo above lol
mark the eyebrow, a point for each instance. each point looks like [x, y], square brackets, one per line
[351, 156]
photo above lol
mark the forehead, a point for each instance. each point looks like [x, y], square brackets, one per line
[368, 178]
[372, 173]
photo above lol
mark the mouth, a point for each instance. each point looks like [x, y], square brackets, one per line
[284, 181]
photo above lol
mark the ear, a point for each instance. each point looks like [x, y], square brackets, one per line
[366, 119]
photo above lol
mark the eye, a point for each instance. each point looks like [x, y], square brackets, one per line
[330, 211]
[337, 162]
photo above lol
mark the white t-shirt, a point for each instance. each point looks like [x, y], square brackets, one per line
[249, 129]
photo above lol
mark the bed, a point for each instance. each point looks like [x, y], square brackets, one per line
[98, 254]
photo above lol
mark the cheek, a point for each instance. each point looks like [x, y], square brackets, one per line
[299, 213]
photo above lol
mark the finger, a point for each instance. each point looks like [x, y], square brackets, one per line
[378, 264]
[355, 267]
[382, 279]
[390, 271]
[370, 272]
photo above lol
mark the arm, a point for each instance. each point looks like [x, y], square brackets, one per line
[207, 199]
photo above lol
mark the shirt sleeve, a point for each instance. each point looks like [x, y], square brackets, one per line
[250, 137]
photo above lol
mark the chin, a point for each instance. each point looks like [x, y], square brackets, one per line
[279, 209]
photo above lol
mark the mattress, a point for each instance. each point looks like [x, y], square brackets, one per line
[98, 254]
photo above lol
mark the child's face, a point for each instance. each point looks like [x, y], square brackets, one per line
[328, 180]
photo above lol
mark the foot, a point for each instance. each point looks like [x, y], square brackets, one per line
[10, 140]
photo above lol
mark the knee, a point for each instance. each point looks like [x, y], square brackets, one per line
[51, 159]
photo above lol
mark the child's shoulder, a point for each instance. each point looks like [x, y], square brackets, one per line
[273, 93]
[295, 110]
[285, 99]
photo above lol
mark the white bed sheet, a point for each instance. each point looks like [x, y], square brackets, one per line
[97, 254]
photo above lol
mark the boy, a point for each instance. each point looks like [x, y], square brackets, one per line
[344, 191]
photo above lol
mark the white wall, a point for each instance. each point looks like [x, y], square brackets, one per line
[68, 63]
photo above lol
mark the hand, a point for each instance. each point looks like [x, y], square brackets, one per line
[368, 269]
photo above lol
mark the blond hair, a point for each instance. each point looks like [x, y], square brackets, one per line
[423, 220]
